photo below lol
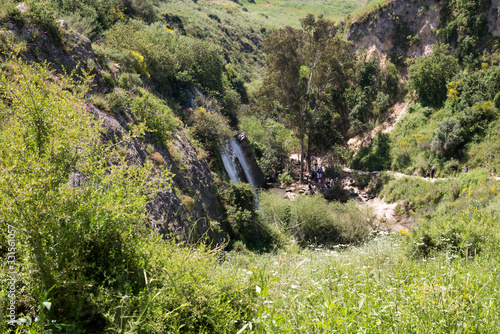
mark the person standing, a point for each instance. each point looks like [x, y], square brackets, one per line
[433, 171]
[428, 173]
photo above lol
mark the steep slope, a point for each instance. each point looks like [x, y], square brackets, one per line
[189, 210]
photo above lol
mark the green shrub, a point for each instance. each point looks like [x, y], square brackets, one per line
[285, 178]
[43, 16]
[109, 82]
[447, 137]
[243, 222]
[319, 222]
[129, 80]
[376, 156]
[276, 210]
[156, 115]
[211, 128]
[118, 101]
[92, 227]
[429, 75]
[10, 13]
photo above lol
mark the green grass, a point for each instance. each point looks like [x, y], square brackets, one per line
[246, 24]
[374, 288]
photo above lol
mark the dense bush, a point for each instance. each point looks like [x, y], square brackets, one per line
[156, 115]
[271, 141]
[376, 156]
[320, 222]
[313, 220]
[469, 227]
[211, 128]
[243, 222]
[172, 62]
[447, 138]
[429, 75]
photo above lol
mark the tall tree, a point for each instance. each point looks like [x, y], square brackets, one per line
[303, 67]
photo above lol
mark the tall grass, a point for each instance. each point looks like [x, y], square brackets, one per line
[373, 288]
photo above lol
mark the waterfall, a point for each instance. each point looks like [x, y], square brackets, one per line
[237, 165]
[191, 96]
[229, 165]
[245, 164]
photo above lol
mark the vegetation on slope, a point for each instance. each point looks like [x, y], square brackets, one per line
[73, 209]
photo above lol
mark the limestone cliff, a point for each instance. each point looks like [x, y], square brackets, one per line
[407, 29]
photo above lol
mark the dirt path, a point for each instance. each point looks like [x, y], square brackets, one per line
[398, 111]
[383, 211]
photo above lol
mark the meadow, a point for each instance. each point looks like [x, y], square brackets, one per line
[443, 275]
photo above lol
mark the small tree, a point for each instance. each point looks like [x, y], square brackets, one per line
[447, 137]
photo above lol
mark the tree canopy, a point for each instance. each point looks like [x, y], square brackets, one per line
[304, 67]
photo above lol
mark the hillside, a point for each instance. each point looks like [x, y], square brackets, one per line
[128, 129]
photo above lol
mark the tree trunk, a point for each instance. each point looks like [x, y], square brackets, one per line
[302, 157]
[309, 152]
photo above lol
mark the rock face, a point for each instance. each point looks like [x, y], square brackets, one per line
[385, 31]
[407, 28]
[494, 18]
[189, 207]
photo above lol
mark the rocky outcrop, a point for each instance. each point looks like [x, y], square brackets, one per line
[406, 28]
[494, 18]
[187, 209]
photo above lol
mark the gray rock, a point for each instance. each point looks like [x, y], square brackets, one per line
[63, 24]
[22, 7]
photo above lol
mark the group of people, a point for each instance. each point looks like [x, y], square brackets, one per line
[317, 178]
[430, 173]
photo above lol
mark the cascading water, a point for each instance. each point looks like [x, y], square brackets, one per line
[229, 165]
[244, 163]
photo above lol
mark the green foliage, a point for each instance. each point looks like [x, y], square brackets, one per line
[369, 100]
[118, 101]
[464, 24]
[243, 222]
[9, 12]
[170, 60]
[429, 75]
[271, 141]
[468, 228]
[42, 16]
[313, 220]
[303, 67]
[447, 137]
[376, 156]
[156, 115]
[461, 132]
[320, 222]
[66, 227]
[285, 178]
[211, 128]
[79, 214]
